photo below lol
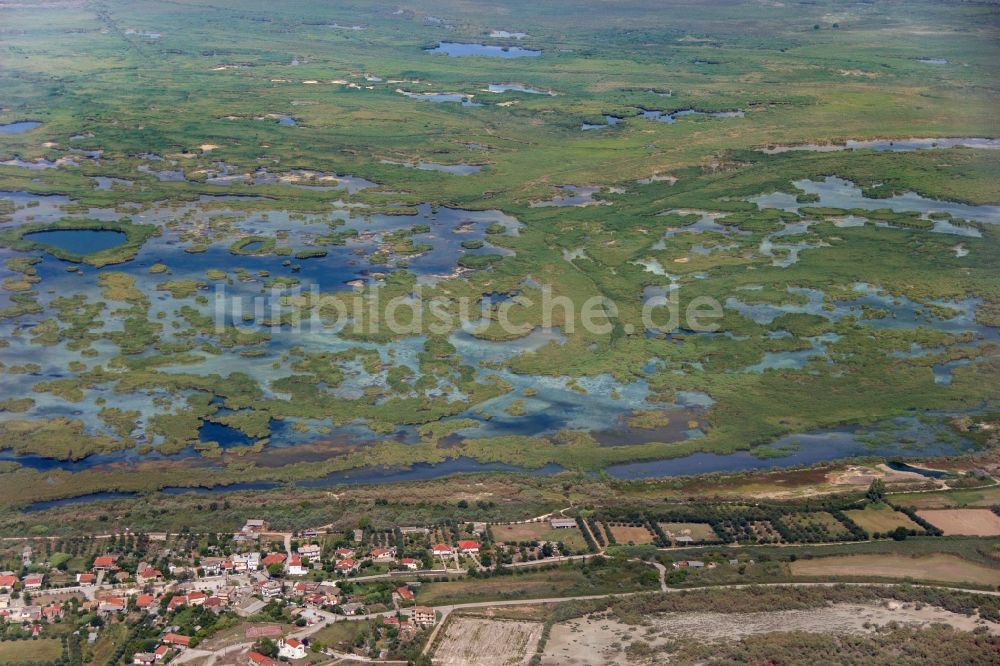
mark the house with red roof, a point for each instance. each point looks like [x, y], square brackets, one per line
[161, 652]
[384, 555]
[404, 593]
[7, 582]
[347, 566]
[468, 547]
[344, 553]
[148, 575]
[112, 605]
[179, 640]
[144, 601]
[257, 659]
[295, 566]
[274, 558]
[33, 581]
[196, 598]
[52, 612]
[410, 563]
[440, 549]
[86, 578]
[105, 563]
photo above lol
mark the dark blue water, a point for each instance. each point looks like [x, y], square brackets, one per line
[79, 241]
[458, 50]
[929, 473]
[18, 127]
[223, 435]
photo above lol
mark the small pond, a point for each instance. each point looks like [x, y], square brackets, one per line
[459, 50]
[78, 241]
[19, 126]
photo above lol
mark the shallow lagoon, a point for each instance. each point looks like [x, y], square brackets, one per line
[517, 87]
[459, 50]
[887, 145]
[442, 98]
[453, 169]
[19, 126]
[836, 192]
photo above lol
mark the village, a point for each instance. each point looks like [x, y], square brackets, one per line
[261, 595]
[306, 580]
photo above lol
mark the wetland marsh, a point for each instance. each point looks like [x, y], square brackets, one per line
[196, 289]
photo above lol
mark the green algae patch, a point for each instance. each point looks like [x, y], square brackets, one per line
[252, 246]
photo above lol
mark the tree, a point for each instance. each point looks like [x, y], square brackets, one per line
[876, 491]
[900, 533]
[267, 647]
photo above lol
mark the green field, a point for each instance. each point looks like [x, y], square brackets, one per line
[37, 650]
[565, 580]
[263, 148]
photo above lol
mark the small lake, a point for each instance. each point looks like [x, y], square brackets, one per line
[453, 169]
[922, 471]
[19, 126]
[78, 241]
[609, 121]
[442, 98]
[890, 145]
[517, 87]
[664, 117]
[460, 50]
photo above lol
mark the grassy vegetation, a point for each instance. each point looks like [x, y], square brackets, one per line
[39, 650]
[610, 577]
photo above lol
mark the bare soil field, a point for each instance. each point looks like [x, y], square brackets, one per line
[939, 568]
[539, 532]
[636, 535]
[603, 640]
[471, 641]
[697, 531]
[883, 519]
[967, 522]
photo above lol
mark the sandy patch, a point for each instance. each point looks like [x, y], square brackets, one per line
[625, 534]
[600, 640]
[967, 522]
[481, 642]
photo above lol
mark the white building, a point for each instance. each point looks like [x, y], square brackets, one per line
[291, 648]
